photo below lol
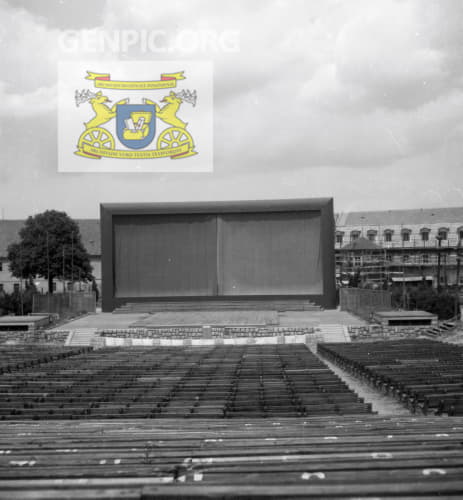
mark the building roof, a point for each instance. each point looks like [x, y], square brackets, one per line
[424, 216]
[361, 244]
[89, 230]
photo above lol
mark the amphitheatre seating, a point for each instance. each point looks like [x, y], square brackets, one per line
[425, 374]
[178, 382]
[362, 456]
[21, 356]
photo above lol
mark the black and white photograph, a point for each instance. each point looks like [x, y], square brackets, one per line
[231, 246]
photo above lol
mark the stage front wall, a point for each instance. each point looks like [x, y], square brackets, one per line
[165, 255]
[270, 254]
[175, 255]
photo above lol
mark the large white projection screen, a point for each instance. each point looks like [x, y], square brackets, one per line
[270, 254]
[246, 253]
[165, 255]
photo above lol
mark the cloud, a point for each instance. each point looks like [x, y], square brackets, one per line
[323, 96]
[28, 50]
[387, 51]
[40, 101]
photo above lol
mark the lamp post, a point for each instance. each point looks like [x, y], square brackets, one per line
[48, 274]
[64, 280]
[459, 257]
[21, 280]
[404, 294]
[72, 262]
[439, 246]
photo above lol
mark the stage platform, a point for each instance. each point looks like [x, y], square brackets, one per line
[24, 323]
[211, 318]
[401, 318]
[284, 319]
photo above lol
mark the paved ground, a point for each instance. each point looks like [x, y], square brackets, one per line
[314, 318]
[384, 405]
[200, 318]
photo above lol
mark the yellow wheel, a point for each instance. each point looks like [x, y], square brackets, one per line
[173, 137]
[98, 137]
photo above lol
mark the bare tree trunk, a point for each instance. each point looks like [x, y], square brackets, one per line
[50, 283]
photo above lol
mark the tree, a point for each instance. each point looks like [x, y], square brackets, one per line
[50, 246]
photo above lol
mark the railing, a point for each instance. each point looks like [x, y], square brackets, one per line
[64, 303]
[450, 242]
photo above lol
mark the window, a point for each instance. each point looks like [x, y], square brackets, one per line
[442, 233]
[424, 235]
[459, 232]
[354, 235]
[389, 257]
[387, 236]
[405, 234]
[339, 238]
[425, 258]
[357, 260]
[371, 234]
[54, 286]
[405, 258]
[16, 287]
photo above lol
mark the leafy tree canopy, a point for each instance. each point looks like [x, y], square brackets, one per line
[48, 242]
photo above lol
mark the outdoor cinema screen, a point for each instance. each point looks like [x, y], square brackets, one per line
[253, 249]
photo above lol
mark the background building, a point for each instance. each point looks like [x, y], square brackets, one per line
[264, 250]
[400, 246]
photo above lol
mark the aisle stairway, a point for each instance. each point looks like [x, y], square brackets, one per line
[334, 333]
[81, 337]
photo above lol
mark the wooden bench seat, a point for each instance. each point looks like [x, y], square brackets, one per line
[420, 373]
[360, 456]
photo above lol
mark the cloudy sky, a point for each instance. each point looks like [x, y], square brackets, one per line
[360, 100]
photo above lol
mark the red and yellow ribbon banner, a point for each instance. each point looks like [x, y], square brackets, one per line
[181, 151]
[103, 81]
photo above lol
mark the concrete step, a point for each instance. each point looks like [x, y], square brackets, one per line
[206, 305]
[81, 337]
[334, 333]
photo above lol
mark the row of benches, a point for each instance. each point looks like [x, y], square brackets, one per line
[425, 375]
[218, 381]
[328, 457]
[20, 356]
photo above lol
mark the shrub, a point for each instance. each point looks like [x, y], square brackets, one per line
[428, 299]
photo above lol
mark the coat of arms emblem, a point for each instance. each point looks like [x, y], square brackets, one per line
[135, 123]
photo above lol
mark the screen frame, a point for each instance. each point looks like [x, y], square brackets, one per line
[324, 206]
